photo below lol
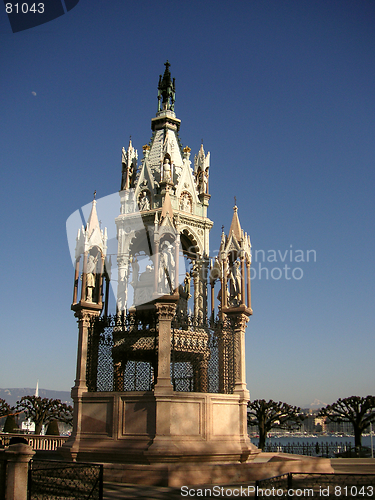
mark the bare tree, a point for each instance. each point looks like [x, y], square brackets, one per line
[5, 408]
[360, 412]
[270, 414]
[42, 411]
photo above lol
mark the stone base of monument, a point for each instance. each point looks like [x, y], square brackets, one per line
[180, 474]
[173, 438]
[159, 426]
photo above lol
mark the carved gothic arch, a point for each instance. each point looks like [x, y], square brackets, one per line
[191, 244]
[142, 241]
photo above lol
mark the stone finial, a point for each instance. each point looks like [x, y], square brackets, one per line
[187, 151]
[129, 159]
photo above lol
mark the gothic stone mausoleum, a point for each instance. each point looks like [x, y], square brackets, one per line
[160, 383]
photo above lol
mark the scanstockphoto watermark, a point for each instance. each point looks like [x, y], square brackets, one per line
[280, 264]
[244, 491]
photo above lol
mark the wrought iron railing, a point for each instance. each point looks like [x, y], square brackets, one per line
[327, 450]
[65, 480]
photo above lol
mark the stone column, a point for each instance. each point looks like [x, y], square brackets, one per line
[203, 280]
[76, 276]
[100, 288]
[196, 289]
[165, 311]
[248, 285]
[202, 374]
[84, 273]
[221, 293]
[224, 289]
[177, 264]
[243, 291]
[84, 316]
[18, 457]
[212, 283]
[223, 360]
[239, 318]
[163, 446]
[84, 319]
[156, 267]
[106, 298]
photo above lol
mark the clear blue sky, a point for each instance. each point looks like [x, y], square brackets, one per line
[282, 93]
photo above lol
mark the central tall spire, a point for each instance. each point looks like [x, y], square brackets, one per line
[166, 90]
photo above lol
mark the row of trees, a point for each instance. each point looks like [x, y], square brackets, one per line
[267, 415]
[42, 411]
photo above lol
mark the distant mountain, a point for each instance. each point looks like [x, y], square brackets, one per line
[315, 405]
[13, 395]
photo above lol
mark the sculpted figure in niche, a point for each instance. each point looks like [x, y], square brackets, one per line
[127, 171]
[185, 203]
[167, 171]
[122, 289]
[201, 181]
[166, 269]
[235, 277]
[205, 181]
[135, 270]
[200, 309]
[162, 274]
[144, 202]
[187, 284]
[90, 276]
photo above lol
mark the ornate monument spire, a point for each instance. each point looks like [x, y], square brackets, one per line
[90, 253]
[129, 159]
[235, 261]
[91, 235]
[235, 226]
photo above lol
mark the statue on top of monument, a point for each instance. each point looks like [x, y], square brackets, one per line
[166, 90]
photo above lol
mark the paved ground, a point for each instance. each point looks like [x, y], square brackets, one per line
[117, 491]
[353, 465]
[120, 491]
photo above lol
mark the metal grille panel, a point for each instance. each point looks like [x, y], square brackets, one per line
[65, 481]
[122, 354]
